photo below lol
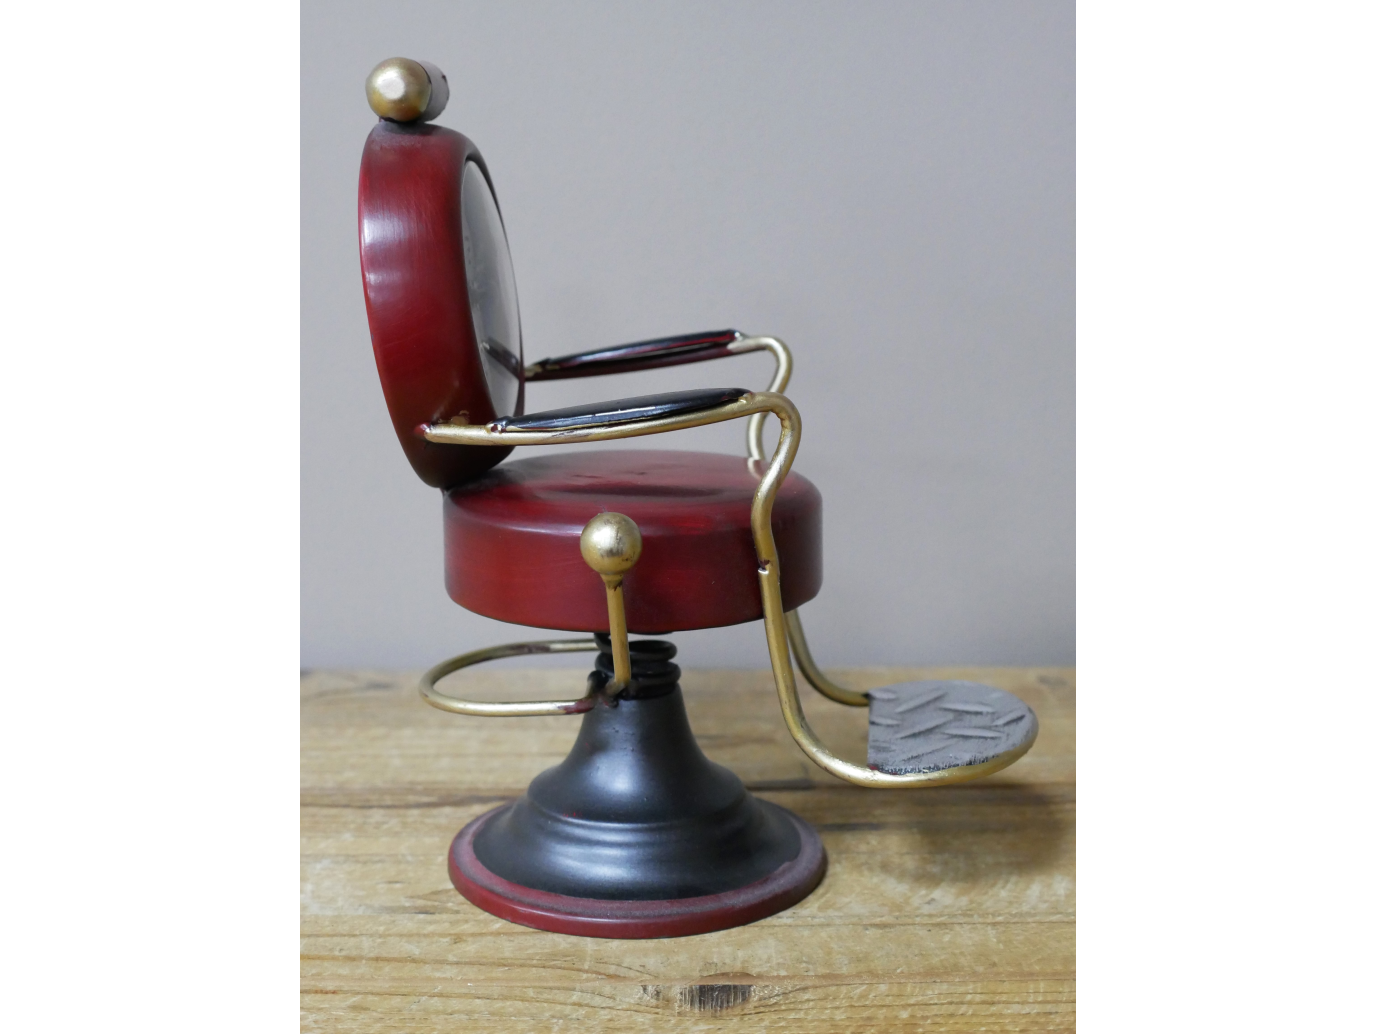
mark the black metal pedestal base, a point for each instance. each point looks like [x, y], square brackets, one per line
[636, 813]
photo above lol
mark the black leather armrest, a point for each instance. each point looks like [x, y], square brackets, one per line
[639, 355]
[620, 411]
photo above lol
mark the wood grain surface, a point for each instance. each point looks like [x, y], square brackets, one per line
[950, 909]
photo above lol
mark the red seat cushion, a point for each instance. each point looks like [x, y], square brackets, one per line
[511, 540]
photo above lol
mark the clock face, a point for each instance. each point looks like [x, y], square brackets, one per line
[491, 290]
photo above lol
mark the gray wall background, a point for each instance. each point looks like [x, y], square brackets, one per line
[889, 187]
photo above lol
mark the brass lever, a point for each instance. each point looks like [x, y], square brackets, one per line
[611, 545]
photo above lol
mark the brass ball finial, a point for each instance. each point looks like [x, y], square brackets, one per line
[610, 543]
[402, 90]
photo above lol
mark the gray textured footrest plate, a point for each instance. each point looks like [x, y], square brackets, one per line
[918, 727]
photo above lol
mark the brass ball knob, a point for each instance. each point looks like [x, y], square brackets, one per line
[402, 90]
[610, 543]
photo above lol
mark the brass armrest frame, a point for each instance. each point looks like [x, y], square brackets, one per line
[497, 709]
[783, 370]
[761, 512]
[490, 434]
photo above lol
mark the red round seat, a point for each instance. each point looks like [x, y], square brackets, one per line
[511, 540]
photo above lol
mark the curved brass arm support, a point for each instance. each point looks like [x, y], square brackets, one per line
[484, 709]
[672, 352]
[776, 631]
[811, 672]
[783, 370]
[488, 434]
[463, 434]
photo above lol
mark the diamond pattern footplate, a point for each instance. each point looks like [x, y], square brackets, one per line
[930, 726]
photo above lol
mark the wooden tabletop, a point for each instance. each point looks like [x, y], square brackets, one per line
[949, 909]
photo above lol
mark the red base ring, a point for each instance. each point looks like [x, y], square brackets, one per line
[596, 917]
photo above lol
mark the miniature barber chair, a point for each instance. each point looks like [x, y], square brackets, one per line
[635, 833]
